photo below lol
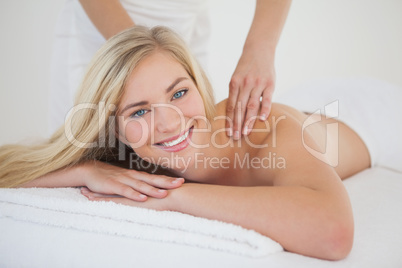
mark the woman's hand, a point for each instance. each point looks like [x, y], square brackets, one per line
[150, 203]
[253, 78]
[106, 179]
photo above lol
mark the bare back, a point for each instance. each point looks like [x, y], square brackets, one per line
[332, 142]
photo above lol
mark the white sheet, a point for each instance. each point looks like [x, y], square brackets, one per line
[376, 196]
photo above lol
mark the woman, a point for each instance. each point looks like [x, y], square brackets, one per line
[145, 89]
[84, 26]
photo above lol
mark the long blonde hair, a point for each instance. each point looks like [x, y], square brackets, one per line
[88, 133]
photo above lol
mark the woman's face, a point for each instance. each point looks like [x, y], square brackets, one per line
[161, 111]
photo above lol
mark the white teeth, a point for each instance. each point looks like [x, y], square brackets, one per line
[175, 142]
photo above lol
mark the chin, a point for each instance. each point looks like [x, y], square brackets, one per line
[177, 153]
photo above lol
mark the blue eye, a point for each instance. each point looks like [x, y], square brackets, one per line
[179, 94]
[139, 113]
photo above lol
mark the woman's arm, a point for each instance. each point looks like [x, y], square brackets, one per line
[254, 76]
[307, 210]
[108, 16]
[269, 19]
[313, 223]
[108, 179]
[304, 221]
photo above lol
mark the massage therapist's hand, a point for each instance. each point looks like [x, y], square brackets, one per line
[253, 78]
[106, 179]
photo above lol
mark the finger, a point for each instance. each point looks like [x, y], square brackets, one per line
[129, 188]
[159, 181]
[231, 104]
[149, 184]
[92, 196]
[266, 103]
[253, 106]
[132, 189]
[240, 112]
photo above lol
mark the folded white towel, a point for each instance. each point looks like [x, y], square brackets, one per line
[67, 208]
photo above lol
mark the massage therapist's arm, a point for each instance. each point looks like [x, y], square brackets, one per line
[108, 16]
[254, 76]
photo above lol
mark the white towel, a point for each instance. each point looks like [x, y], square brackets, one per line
[67, 208]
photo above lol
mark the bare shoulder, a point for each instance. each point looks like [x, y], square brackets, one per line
[277, 111]
[282, 116]
[277, 108]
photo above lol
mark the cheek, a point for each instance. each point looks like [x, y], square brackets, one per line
[194, 110]
[194, 106]
[135, 133]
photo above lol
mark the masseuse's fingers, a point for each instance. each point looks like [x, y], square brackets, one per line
[266, 102]
[230, 106]
[253, 105]
[240, 109]
[253, 78]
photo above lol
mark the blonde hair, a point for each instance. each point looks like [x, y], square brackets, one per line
[89, 132]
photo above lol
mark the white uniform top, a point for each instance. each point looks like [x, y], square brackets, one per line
[77, 40]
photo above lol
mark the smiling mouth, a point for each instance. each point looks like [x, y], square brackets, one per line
[177, 144]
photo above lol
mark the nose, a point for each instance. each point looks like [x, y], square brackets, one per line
[168, 119]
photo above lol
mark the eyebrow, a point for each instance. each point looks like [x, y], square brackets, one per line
[168, 89]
